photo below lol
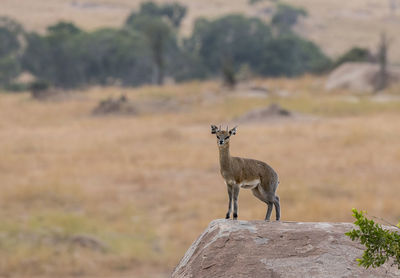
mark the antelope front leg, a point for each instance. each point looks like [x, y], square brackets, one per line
[228, 214]
[235, 200]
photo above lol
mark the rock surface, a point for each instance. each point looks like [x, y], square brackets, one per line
[115, 106]
[273, 113]
[362, 77]
[254, 249]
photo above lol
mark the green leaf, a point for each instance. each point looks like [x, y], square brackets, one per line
[381, 245]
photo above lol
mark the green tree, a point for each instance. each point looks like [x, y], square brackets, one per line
[381, 245]
[11, 37]
[355, 54]
[9, 43]
[159, 37]
[226, 44]
[174, 13]
[9, 69]
[291, 55]
[228, 73]
[232, 41]
[111, 55]
[55, 56]
[252, 2]
[68, 57]
[158, 24]
[186, 65]
[286, 17]
[383, 75]
[63, 29]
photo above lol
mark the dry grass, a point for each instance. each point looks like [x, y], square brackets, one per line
[146, 186]
[335, 25]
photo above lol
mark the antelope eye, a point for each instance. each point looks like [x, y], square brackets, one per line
[218, 137]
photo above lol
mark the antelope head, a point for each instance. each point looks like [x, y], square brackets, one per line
[223, 135]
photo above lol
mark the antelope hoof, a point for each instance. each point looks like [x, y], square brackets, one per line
[235, 216]
[227, 216]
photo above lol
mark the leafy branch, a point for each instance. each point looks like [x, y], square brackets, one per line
[381, 245]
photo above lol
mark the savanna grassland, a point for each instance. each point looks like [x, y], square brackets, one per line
[336, 26]
[124, 196]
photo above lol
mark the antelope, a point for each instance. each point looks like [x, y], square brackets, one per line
[246, 173]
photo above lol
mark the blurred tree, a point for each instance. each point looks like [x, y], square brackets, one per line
[252, 2]
[228, 73]
[147, 49]
[187, 65]
[226, 44]
[9, 69]
[173, 13]
[231, 40]
[291, 55]
[11, 34]
[286, 17]
[68, 57]
[355, 54]
[11, 37]
[111, 56]
[39, 89]
[383, 76]
[157, 24]
[9, 43]
[393, 6]
[63, 29]
[148, 8]
[55, 56]
[159, 37]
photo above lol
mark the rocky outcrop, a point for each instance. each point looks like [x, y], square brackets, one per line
[114, 106]
[361, 77]
[229, 248]
[274, 111]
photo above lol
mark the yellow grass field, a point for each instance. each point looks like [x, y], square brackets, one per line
[125, 196]
[334, 25]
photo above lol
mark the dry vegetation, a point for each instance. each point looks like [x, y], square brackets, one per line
[126, 195]
[334, 25]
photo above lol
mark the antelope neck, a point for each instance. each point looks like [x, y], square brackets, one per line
[224, 157]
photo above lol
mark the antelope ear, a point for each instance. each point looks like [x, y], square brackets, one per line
[233, 131]
[214, 129]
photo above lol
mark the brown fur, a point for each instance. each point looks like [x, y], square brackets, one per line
[246, 173]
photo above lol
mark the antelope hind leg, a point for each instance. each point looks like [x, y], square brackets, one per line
[277, 208]
[269, 211]
[235, 201]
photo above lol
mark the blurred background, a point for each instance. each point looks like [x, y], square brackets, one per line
[107, 165]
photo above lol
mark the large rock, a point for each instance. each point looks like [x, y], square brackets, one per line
[362, 77]
[229, 248]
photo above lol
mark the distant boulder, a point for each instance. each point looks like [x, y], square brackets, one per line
[120, 105]
[260, 249]
[362, 77]
[274, 111]
[123, 106]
